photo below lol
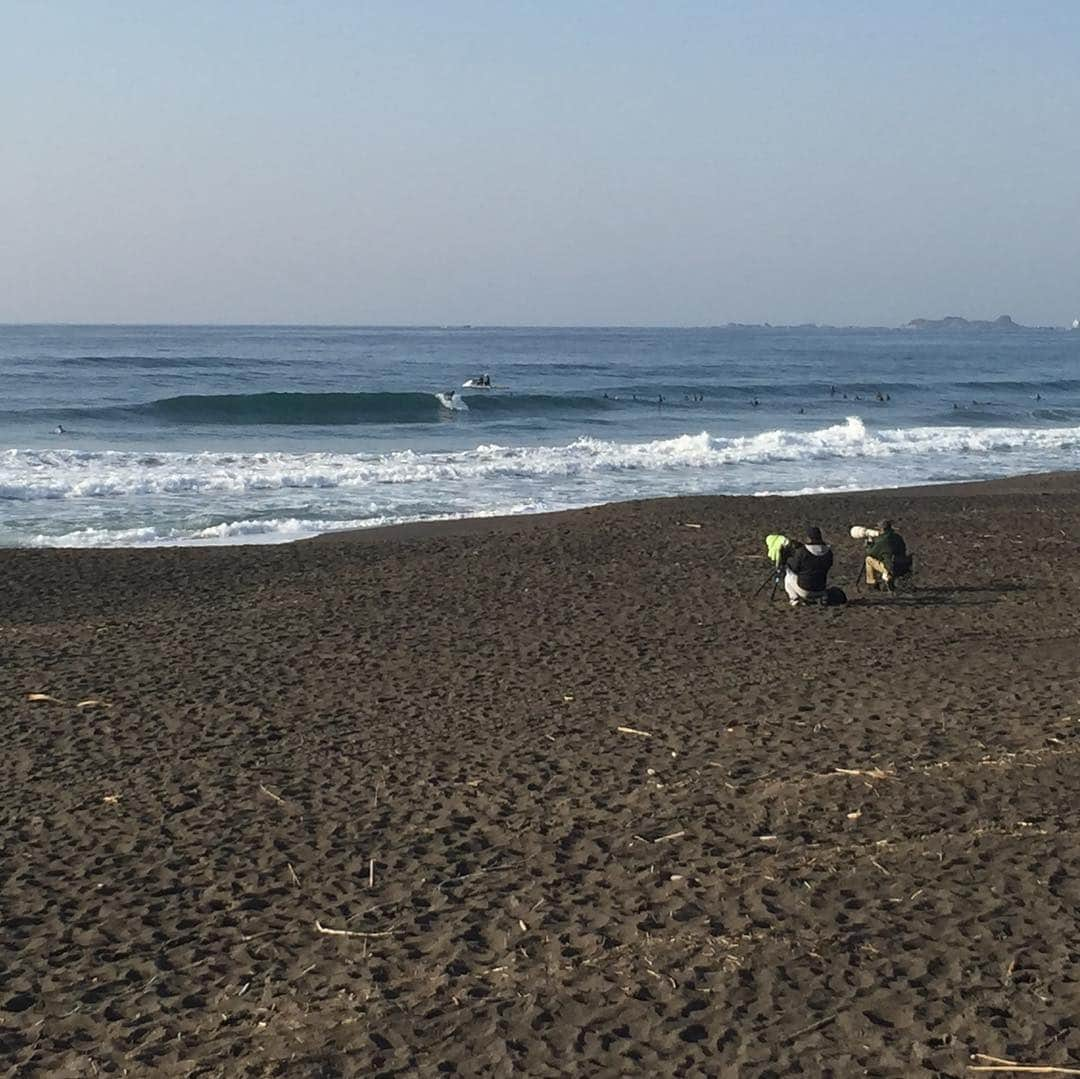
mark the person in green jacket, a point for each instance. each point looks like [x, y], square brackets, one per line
[886, 558]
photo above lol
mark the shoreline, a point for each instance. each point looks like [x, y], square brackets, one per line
[500, 523]
[1052, 482]
[584, 796]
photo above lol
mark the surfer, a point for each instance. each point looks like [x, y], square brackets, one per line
[59, 429]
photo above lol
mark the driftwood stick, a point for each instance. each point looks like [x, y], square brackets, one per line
[632, 730]
[350, 932]
[999, 1064]
[477, 873]
[813, 1026]
[870, 773]
[270, 794]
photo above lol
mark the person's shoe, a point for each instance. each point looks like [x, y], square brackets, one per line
[793, 602]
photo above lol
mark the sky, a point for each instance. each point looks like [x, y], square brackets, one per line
[557, 162]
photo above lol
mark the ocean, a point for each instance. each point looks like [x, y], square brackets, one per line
[152, 435]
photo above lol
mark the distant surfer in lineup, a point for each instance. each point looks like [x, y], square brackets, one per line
[480, 382]
[59, 429]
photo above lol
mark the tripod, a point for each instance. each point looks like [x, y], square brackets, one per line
[774, 579]
[860, 574]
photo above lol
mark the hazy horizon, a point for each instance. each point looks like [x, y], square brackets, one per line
[519, 165]
[731, 324]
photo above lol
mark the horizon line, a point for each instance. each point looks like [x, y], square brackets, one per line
[805, 325]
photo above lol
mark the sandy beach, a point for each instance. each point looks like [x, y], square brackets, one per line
[362, 805]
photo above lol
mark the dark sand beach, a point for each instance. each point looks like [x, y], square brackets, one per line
[846, 844]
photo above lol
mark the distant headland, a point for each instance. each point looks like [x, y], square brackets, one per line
[955, 322]
[950, 323]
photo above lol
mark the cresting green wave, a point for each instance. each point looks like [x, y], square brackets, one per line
[354, 408]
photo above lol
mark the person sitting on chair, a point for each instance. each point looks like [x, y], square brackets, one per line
[808, 569]
[886, 558]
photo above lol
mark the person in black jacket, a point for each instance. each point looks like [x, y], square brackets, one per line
[808, 569]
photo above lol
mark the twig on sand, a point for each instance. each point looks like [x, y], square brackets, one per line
[671, 835]
[93, 702]
[997, 1064]
[690, 524]
[270, 794]
[43, 697]
[371, 873]
[870, 773]
[813, 1026]
[477, 873]
[350, 932]
[633, 730]
[292, 873]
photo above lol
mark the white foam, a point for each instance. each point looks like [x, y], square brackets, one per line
[44, 475]
[68, 497]
[258, 530]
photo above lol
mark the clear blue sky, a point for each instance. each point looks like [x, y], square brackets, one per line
[540, 162]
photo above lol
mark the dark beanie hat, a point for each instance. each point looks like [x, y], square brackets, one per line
[813, 534]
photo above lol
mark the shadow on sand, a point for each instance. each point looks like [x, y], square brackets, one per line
[959, 595]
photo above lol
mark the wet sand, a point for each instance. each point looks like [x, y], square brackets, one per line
[845, 844]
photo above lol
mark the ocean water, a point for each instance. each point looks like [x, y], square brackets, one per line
[198, 435]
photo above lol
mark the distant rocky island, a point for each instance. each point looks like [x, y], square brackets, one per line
[955, 322]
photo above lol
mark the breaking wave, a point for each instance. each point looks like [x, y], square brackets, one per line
[29, 475]
[331, 409]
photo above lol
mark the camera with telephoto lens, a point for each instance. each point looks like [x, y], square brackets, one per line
[868, 535]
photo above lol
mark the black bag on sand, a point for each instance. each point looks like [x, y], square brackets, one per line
[902, 565]
[835, 597]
